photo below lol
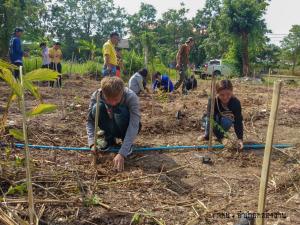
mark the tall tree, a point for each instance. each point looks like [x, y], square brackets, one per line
[241, 19]
[291, 46]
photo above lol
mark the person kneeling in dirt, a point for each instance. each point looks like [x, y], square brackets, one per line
[227, 111]
[191, 83]
[162, 82]
[119, 117]
[138, 81]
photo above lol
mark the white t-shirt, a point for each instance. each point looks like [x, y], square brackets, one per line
[45, 56]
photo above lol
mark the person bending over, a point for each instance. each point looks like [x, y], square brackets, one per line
[119, 117]
[162, 82]
[138, 81]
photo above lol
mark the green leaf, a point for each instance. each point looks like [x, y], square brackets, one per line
[41, 109]
[32, 89]
[19, 189]
[7, 65]
[136, 219]
[10, 80]
[92, 200]
[41, 75]
[17, 134]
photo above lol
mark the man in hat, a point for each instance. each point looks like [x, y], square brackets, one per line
[110, 55]
[15, 50]
[182, 60]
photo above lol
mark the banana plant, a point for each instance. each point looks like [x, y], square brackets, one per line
[16, 91]
[90, 47]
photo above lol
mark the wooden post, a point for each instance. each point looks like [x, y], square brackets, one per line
[212, 110]
[267, 153]
[96, 129]
[27, 154]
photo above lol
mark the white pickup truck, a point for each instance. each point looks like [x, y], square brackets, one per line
[216, 67]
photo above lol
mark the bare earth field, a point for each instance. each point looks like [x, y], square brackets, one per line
[173, 188]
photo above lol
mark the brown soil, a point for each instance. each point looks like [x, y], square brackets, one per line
[167, 187]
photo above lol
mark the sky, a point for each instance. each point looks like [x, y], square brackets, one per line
[280, 16]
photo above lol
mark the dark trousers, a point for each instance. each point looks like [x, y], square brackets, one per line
[220, 126]
[56, 67]
[114, 125]
[182, 79]
[46, 66]
[17, 72]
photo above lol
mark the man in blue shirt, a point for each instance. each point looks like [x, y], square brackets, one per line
[15, 50]
[162, 82]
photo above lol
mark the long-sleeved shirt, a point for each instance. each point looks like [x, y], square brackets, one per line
[15, 50]
[182, 56]
[130, 100]
[165, 83]
[233, 111]
[135, 83]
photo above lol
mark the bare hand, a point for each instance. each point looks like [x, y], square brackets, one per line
[119, 162]
[93, 149]
[177, 67]
[240, 144]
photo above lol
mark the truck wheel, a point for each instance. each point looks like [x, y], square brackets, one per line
[217, 73]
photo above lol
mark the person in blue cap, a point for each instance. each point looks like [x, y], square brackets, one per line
[15, 50]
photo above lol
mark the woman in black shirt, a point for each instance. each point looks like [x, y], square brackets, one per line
[227, 112]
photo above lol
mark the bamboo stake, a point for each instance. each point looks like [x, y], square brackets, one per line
[212, 110]
[268, 83]
[96, 130]
[267, 153]
[27, 154]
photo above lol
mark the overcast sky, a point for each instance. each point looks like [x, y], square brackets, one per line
[280, 17]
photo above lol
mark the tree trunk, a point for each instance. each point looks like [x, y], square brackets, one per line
[294, 64]
[146, 56]
[5, 35]
[245, 54]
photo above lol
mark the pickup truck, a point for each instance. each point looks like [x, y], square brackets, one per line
[215, 67]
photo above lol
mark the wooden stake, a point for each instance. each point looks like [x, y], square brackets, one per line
[267, 153]
[212, 110]
[268, 84]
[27, 154]
[96, 129]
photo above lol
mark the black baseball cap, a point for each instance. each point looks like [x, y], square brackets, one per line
[19, 29]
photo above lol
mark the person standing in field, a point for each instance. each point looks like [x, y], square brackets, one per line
[15, 50]
[55, 55]
[182, 62]
[45, 55]
[110, 55]
[119, 117]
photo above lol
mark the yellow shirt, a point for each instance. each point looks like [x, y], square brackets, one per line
[109, 49]
[55, 55]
